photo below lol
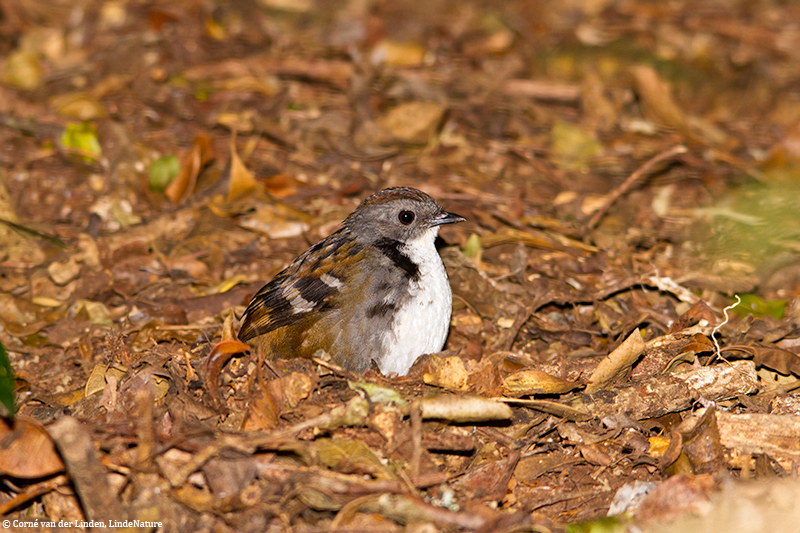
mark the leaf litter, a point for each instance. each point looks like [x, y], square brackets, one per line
[627, 174]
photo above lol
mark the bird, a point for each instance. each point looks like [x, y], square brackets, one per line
[376, 290]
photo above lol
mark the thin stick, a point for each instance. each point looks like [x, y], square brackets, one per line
[631, 181]
[523, 315]
[34, 491]
[416, 439]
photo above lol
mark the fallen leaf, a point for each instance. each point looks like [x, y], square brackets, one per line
[219, 355]
[350, 457]
[617, 362]
[448, 372]
[296, 386]
[573, 148]
[192, 163]
[79, 105]
[275, 221]
[532, 381]
[657, 100]
[97, 380]
[63, 273]
[26, 450]
[81, 140]
[241, 180]
[163, 171]
[22, 69]
[378, 393]
[398, 54]
[262, 413]
[413, 122]
[281, 185]
[777, 359]
[472, 248]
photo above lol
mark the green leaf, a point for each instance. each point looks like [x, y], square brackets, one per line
[605, 524]
[377, 393]
[473, 246]
[753, 304]
[82, 140]
[202, 93]
[573, 147]
[163, 171]
[7, 383]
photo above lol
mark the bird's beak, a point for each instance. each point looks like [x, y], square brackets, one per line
[447, 218]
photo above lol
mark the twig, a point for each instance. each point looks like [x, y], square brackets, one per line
[631, 181]
[523, 315]
[34, 491]
[416, 439]
[85, 470]
[543, 90]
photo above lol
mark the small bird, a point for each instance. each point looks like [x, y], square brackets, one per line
[374, 290]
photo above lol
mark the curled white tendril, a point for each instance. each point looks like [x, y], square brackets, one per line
[718, 326]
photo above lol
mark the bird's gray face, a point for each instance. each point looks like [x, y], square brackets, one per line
[398, 214]
[402, 220]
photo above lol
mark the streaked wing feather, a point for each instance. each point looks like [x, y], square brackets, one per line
[306, 286]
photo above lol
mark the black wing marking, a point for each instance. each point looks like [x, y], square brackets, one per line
[304, 287]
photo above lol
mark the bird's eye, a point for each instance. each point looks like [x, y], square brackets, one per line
[406, 217]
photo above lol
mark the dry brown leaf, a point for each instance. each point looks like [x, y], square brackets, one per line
[531, 381]
[241, 122]
[80, 105]
[350, 457]
[228, 332]
[69, 397]
[97, 380]
[276, 221]
[660, 106]
[656, 96]
[219, 355]
[447, 372]
[282, 185]
[600, 114]
[485, 378]
[63, 272]
[699, 343]
[26, 450]
[413, 122]
[398, 54]
[262, 414]
[617, 362]
[22, 69]
[488, 479]
[777, 359]
[699, 441]
[241, 180]
[296, 387]
[192, 163]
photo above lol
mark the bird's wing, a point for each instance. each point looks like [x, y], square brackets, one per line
[306, 286]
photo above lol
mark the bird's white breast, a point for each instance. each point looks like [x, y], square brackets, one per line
[422, 318]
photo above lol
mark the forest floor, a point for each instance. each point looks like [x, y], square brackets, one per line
[625, 330]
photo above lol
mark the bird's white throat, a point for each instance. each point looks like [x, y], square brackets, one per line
[422, 317]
